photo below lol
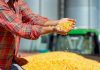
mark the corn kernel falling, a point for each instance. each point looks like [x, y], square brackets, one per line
[60, 61]
[65, 25]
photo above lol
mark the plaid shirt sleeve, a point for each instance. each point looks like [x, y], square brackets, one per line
[29, 16]
[9, 21]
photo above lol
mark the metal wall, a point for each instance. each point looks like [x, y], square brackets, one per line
[84, 11]
[99, 19]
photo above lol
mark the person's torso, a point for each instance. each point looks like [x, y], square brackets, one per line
[7, 39]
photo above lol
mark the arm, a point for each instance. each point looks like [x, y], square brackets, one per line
[14, 25]
[26, 30]
[23, 30]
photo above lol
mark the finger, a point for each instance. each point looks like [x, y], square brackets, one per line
[73, 26]
[64, 33]
[72, 20]
[64, 20]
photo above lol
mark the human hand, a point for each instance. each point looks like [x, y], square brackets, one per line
[20, 61]
[64, 26]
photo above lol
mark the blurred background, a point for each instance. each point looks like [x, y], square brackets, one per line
[85, 39]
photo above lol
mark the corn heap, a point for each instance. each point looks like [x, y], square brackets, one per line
[60, 61]
[65, 25]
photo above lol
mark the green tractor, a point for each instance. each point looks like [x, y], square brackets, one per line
[82, 41]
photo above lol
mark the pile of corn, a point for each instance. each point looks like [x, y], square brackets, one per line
[60, 61]
[65, 25]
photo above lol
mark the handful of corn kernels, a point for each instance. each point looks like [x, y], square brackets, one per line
[65, 25]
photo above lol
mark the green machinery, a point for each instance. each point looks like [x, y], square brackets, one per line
[83, 41]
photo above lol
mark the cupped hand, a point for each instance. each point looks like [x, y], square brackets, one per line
[65, 25]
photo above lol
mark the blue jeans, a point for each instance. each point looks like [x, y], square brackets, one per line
[15, 66]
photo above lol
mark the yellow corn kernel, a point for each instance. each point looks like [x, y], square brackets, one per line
[64, 26]
[60, 61]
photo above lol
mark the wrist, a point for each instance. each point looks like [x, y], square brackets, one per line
[47, 23]
[51, 23]
[54, 30]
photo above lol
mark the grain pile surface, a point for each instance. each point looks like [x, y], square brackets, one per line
[60, 61]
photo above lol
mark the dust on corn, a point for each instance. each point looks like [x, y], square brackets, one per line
[60, 61]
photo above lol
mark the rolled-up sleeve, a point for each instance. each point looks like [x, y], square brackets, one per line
[29, 16]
